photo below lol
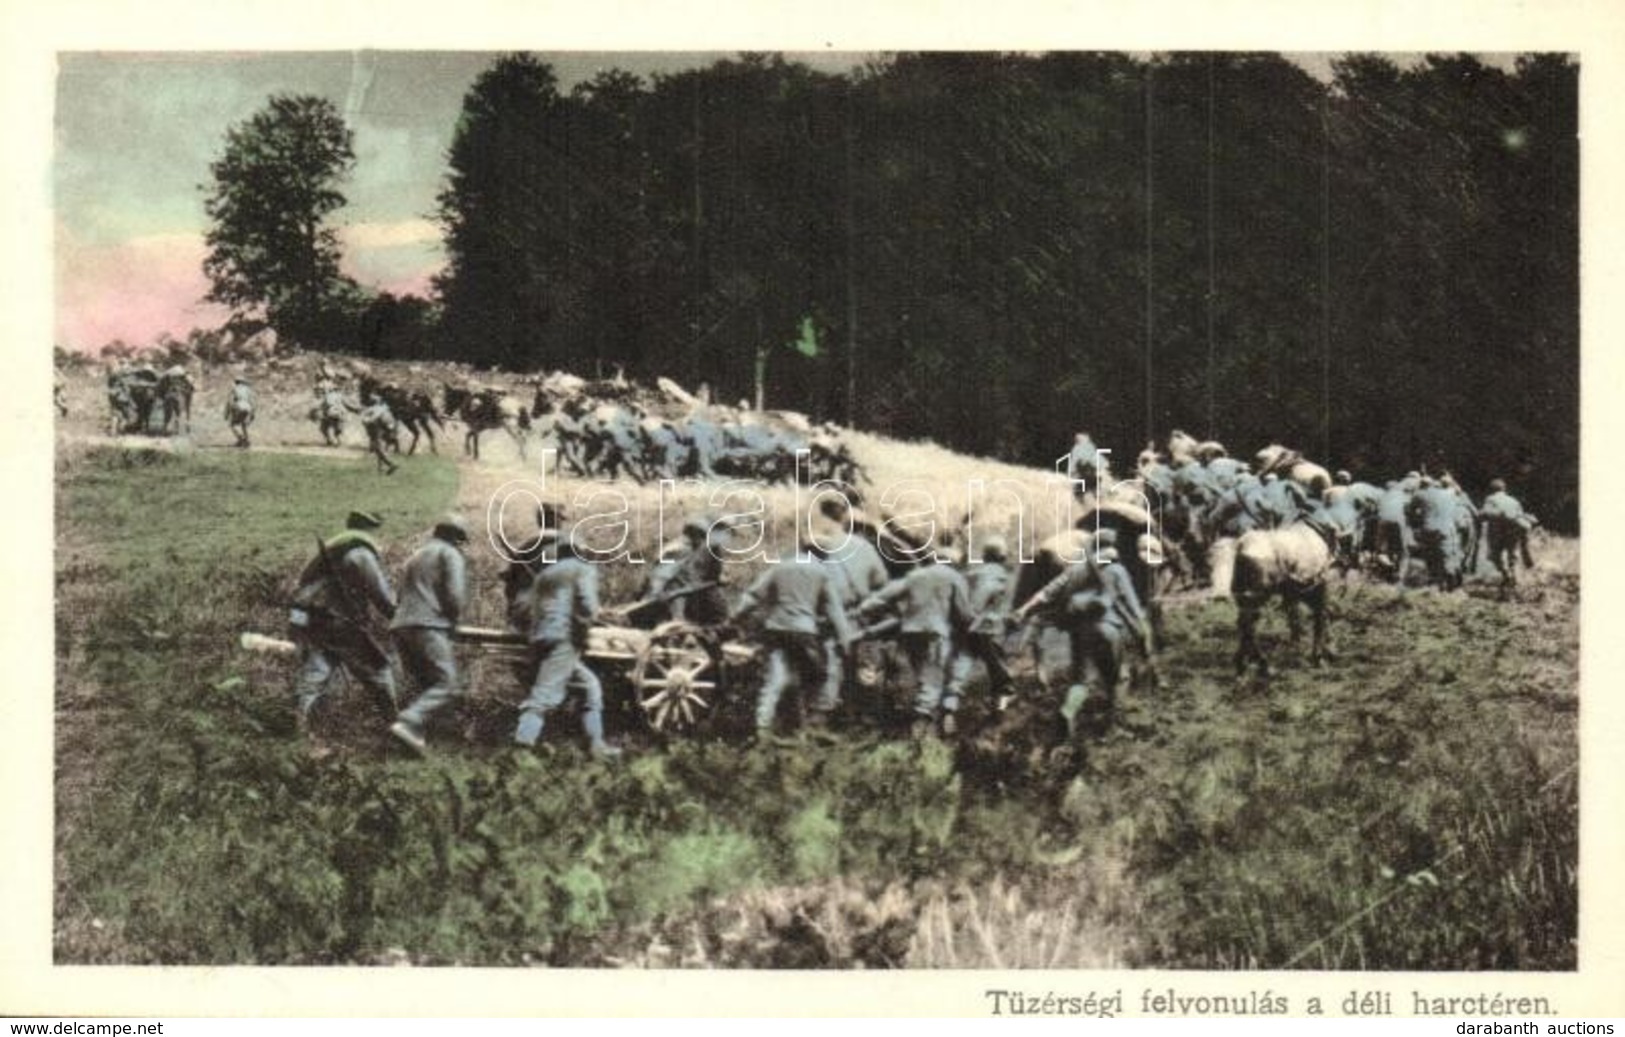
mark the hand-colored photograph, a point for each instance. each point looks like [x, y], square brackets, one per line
[817, 510]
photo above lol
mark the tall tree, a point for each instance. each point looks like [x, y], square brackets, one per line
[504, 209]
[271, 253]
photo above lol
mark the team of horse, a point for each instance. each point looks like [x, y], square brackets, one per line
[136, 396]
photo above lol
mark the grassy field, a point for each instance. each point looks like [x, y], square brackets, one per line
[1414, 806]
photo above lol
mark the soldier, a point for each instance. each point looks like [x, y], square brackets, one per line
[933, 603]
[1082, 463]
[119, 406]
[557, 608]
[175, 390]
[331, 617]
[240, 410]
[707, 446]
[141, 385]
[434, 590]
[661, 449]
[329, 415]
[1505, 527]
[569, 428]
[1294, 504]
[1101, 612]
[382, 430]
[990, 588]
[858, 572]
[1435, 514]
[1237, 510]
[791, 600]
[1394, 538]
[698, 563]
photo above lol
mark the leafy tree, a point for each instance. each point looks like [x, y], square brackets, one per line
[396, 327]
[270, 250]
[1381, 270]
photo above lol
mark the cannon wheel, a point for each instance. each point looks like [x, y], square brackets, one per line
[678, 678]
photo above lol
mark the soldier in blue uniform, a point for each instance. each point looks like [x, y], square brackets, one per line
[792, 601]
[1096, 603]
[433, 593]
[331, 619]
[557, 608]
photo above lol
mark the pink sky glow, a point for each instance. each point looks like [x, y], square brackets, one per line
[138, 289]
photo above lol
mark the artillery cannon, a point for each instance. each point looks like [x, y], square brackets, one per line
[678, 673]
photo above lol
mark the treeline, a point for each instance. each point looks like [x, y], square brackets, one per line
[998, 250]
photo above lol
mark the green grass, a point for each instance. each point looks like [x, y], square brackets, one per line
[166, 734]
[1412, 807]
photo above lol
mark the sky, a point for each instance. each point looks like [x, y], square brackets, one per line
[135, 134]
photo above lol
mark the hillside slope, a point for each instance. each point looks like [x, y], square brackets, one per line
[1341, 818]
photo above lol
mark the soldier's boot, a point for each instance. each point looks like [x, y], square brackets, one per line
[592, 723]
[529, 731]
[410, 735]
[1072, 706]
[818, 727]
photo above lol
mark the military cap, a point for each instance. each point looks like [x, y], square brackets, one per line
[1498, 485]
[1343, 477]
[696, 524]
[363, 520]
[993, 549]
[453, 527]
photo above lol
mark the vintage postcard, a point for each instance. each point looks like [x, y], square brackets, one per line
[1086, 523]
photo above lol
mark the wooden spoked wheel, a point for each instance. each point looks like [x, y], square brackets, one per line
[677, 679]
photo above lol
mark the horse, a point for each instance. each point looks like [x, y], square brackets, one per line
[413, 410]
[482, 410]
[1291, 563]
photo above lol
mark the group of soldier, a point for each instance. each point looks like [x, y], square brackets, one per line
[136, 392]
[946, 609]
[945, 612]
[601, 438]
[1204, 496]
[596, 436]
